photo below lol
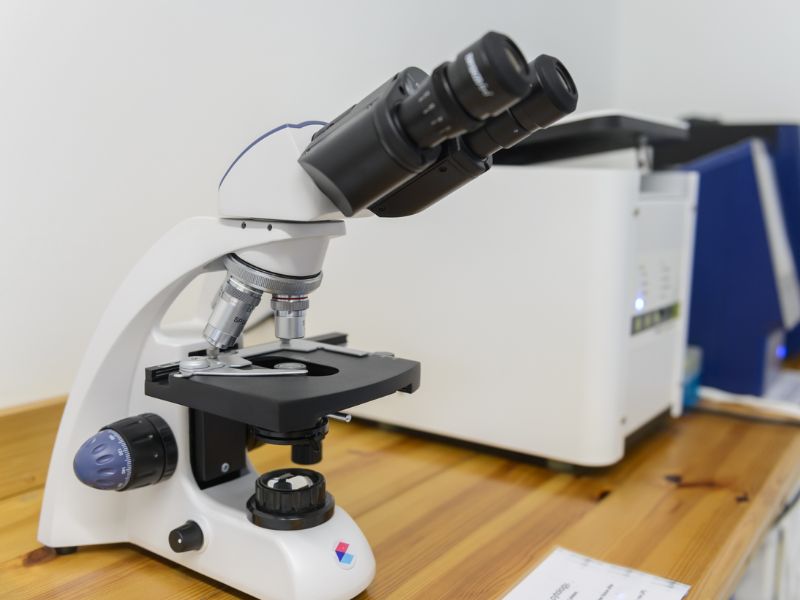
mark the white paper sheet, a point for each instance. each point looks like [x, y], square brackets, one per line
[782, 396]
[565, 575]
[785, 387]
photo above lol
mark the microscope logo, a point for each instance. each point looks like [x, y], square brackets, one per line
[347, 560]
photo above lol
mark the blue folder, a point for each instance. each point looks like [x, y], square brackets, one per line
[734, 310]
[785, 152]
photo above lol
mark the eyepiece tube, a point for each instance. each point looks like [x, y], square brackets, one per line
[485, 78]
[553, 95]
[489, 76]
[427, 135]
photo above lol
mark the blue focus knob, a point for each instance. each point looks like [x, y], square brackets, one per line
[104, 461]
[127, 454]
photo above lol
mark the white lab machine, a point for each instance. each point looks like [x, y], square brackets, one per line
[552, 325]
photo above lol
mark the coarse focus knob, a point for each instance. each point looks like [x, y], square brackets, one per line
[187, 537]
[127, 454]
[104, 461]
[290, 499]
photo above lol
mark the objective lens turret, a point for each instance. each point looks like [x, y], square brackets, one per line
[241, 292]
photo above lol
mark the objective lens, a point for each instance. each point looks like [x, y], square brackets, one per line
[232, 308]
[240, 294]
[483, 80]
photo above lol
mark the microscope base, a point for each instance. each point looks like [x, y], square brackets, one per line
[332, 561]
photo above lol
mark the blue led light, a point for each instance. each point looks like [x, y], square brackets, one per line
[780, 352]
[638, 304]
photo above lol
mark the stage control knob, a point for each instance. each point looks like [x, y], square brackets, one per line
[128, 454]
[290, 499]
[187, 537]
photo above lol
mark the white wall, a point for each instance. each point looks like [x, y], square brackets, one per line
[117, 120]
[737, 59]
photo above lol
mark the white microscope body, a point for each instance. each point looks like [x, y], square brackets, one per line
[262, 562]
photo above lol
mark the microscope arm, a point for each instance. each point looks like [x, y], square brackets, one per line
[111, 372]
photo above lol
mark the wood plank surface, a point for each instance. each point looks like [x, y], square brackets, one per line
[26, 440]
[691, 503]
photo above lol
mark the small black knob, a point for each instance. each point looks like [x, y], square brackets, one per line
[307, 454]
[290, 499]
[187, 537]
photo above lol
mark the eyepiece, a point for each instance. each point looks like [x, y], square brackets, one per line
[489, 76]
[564, 76]
[485, 78]
[417, 137]
[552, 96]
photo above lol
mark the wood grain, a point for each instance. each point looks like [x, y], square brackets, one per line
[26, 441]
[690, 503]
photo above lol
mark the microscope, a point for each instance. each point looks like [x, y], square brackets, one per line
[152, 446]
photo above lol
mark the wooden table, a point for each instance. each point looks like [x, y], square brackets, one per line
[689, 503]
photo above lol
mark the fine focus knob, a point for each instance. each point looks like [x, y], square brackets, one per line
[187, 537]
[128, 454]
[290, 499]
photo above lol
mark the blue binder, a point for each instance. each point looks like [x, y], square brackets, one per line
[785, 152]
[734, 309]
